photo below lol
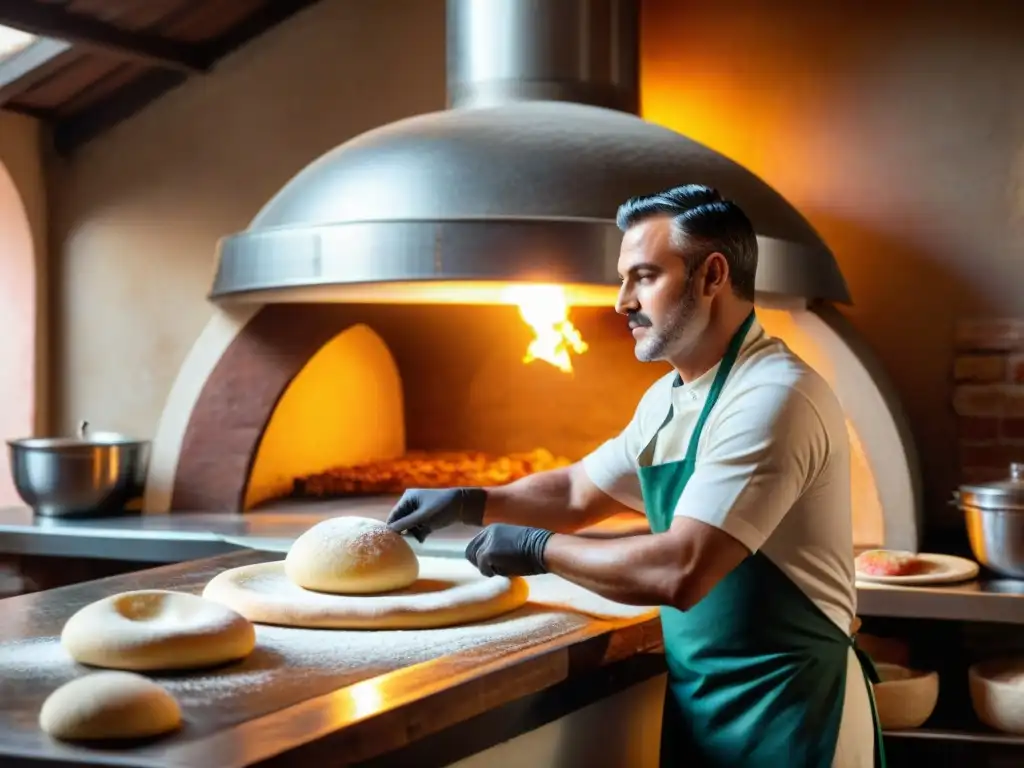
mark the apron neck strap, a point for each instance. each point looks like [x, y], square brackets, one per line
[732, 352]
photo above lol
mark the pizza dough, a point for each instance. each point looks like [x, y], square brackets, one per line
[109, 705]
[156, 629]
[351, 555]
[448, 592]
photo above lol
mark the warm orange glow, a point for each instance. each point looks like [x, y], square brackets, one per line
[544, 308]
[344, 407]
[868, 516]
[366, 698]
[428, 292]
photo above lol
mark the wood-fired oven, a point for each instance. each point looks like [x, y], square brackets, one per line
[278, 398]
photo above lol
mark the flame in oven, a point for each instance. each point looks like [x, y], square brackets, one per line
[545, 309]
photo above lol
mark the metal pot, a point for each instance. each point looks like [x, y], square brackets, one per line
[93, 474]
[994, 513]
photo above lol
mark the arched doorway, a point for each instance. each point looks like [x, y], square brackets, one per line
[18, 323]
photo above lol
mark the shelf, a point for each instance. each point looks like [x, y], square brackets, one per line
[948, 734]
[986, 599]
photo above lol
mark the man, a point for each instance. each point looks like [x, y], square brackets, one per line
[740, 459]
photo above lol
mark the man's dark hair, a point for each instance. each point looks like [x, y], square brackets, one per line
[702, 223]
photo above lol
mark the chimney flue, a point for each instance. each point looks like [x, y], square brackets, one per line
[582, 51]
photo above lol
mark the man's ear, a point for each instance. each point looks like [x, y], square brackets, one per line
[715, 272]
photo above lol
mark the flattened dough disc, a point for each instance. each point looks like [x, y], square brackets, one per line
[449, 591]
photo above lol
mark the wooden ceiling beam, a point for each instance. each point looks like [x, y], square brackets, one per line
[70, 132]
[75, 130]
[29, 66]
[265, 18]
[51, 21]
[34, 112]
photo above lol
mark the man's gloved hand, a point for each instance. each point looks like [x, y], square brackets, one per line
[509, 550]
[422, 511]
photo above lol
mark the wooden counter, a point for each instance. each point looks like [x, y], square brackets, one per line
[272, 709]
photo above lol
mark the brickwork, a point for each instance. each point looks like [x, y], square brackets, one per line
[988, 397]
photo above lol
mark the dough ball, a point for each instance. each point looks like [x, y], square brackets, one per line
[109, 705]
[351, 555]
[156, 629]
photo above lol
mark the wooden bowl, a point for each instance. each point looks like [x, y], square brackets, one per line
[906, 697]
[997, 693]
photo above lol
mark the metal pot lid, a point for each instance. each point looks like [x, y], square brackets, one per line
[1000, 494]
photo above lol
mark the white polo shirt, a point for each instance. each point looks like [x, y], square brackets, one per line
[773, 465]
[773, 471]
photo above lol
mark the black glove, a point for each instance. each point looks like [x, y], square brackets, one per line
[422, 511]
[509, 550]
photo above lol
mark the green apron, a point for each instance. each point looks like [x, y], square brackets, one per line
[757, 673]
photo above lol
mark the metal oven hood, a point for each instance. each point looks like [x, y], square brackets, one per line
[518, 181]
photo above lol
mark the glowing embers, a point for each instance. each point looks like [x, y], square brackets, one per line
[425, 469]
[544, 308]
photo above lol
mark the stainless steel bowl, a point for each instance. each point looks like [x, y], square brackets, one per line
[94, 474]
[994, 515]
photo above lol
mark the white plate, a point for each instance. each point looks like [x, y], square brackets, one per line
[946, 569]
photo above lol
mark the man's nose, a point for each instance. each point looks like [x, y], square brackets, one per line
[626, 301]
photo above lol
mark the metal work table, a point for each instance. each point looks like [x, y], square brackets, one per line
[520, 690]
[317, 711]
[185, 536]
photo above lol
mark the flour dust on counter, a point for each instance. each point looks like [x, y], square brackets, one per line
[288, 665]
[42, 659]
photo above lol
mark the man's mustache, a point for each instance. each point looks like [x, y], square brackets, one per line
[638, 320]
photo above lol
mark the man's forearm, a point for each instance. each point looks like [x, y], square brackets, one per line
[638, 570]
[553, 500]
[541, 501]
[677, 567]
